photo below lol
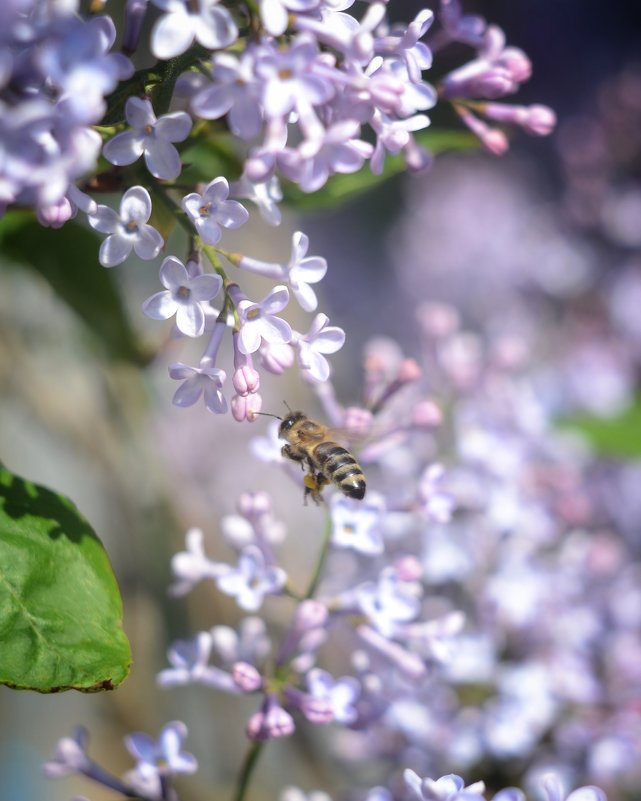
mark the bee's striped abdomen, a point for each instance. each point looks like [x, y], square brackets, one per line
[340, 466]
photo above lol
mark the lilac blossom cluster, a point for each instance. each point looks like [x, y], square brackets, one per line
[56, 71]
[306, 89]
[485, 611]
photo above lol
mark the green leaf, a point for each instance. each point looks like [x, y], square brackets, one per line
[618, 437]
[67, 259]
[60, 608]
[340, 188]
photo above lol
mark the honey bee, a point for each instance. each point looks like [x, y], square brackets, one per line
[310, 443]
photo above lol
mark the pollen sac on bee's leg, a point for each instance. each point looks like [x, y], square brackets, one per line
[313, 488]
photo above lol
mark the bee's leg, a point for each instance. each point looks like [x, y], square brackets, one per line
[290, 453]
[312, 487]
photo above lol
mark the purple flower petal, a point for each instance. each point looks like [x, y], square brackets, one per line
[148, 243]
[114, 250]
[160, 306]
[124, 148]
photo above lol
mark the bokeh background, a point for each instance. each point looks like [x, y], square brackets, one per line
[544, 242]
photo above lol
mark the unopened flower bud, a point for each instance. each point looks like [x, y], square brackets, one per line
[253, 505]
[246, 677]
[271, 722]
[246, 407]
[426, 414]
[408, 568]
[246, 380]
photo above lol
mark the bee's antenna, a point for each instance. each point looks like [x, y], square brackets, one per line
[289, 408]
[267, 414]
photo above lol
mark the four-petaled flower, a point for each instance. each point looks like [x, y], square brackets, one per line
[151, 137]
[212, 26]
[158, 759]
[128, 230]
[252, 580]
[197, 381]
[320, 339]
[185, 296]
[357, 524]
[299, 272]
[341, 694]
[258, 320]
[211, 210]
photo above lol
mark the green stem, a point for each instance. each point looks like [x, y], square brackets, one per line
[322, 559]
[246, 771]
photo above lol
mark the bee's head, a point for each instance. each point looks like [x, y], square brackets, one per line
[288, 423]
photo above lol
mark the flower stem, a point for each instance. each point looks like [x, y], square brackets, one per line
[322, 559]
[246, 771]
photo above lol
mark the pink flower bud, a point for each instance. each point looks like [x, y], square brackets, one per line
[310, 615]
[276, 357]
[408, 568]
[426, 414]
[254, 504]
[246, 677]
[246, 380]
[271, 722]
[438, 320]
[409, 370]
[358, 421]
[245, 407]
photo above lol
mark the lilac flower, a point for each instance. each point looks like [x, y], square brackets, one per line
[298, 273]
[70, 756]
[389, 601]
[189, 660]
[272, 722]
[327, 152]
[265, 194]
[184, 296]
[150, 137]
[79, 65]
[320, 339]
[273, 13]
[234, 91]
[250, 643]
[196, 381]
[437, 503]
[258, 320]
[394, 136]
[128, 230]
[357, 524]
[193, 565]
[252, 580]
[553, 790]
[211, 25]
[158, 759]
[341, 694]
[447, 788]
[289, 80]
[211, 210]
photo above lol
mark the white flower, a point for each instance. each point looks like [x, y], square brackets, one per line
[357, 524]
[298, 273]
[211, 210]
[127, 230]
[212, 27]
[150, 137]
[252, 580]
[197, 381]
[258, 320]
[185, 296]
[320, 339]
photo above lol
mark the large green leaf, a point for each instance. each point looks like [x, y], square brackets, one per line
[618, 437]
[60, 608]
[67, 259]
